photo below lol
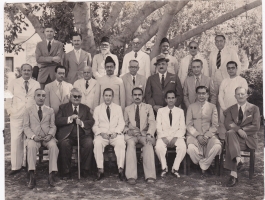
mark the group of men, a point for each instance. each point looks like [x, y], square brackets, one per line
[66, 101]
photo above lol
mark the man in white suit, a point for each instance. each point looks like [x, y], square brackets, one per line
[131, 80]
[76, 60]
[171, 131]
[185, 69]
[140, 56]
[58, 91]
[108, 129]
[22, 90]
[87, 86]
[39, 127]
[140, 127]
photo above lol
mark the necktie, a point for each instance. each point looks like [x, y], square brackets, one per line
[40, 113]
[135, 55]
[190, 73]
[49, 46]
[163, 81]
[170, 117]
[218, 60]
[197, 82]
[76, 113]
[134, 80]
[86, 84]
[61, 89]
[137, 117]
[26, 86]
[108, 113]
[240, 116]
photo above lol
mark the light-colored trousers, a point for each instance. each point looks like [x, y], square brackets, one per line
[148, 157]
[17, 142]
[119, 148]
[161, 150]
[33, 148]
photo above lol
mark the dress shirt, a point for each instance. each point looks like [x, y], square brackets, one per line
[160, 76]
[49, 41]
[41, 107]
[200, 77]
[243, 107]
[134, 77]
[69, 120]
[77, 54]
[57, 83]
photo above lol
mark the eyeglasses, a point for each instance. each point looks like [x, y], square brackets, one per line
[201, 93]
[231, 68]
[77, 96]
[133, 67]
[193, 47]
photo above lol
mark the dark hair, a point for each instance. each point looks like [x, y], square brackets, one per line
[202, 87]
[193, 42]
[231, 62]
[220, 35]
[240, 87]
[170, 92]
[108, 89]
[134, 61]
[137, 88]
[21, 68]
[38, 89]
[197, 60]
[76, 34]
[61, 67]
[49, 26]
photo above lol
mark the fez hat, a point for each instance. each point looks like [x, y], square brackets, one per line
[105, 39]
[109, 60]
[164, 40]
[161, 58]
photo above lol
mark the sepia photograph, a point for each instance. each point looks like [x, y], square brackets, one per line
[133, 100]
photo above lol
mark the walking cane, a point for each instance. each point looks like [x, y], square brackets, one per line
[78, 151]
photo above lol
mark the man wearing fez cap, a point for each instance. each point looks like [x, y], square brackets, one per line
[173, 64]
[98, 64]
[158, 84]
[110, 81]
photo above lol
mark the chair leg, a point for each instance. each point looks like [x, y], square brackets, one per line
[251, 164]
[40, 155]
[221, 163]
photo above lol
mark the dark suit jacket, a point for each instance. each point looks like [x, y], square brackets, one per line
[155, 95]
[44, 59]
[250, 123]
[65, 111]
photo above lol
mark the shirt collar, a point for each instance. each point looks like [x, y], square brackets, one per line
[108, 105]
[39, 106]
[57, 82]
[79, 50]
[49, 40]
[160, 75]
[198, 76]
[170, 109]
[243, 107]
[133, 76]
[77, 107]
[135, 106]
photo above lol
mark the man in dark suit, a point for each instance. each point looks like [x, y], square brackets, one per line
[70, 116]
[242, 122]
[48, 54]
[158, 84]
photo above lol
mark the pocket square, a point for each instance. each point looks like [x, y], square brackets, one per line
[172, 81]
[249, 116]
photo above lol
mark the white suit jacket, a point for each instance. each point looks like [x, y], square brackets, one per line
[142, 58]
[178, 128]
[103, 124]
[87, 94]
[21, 100]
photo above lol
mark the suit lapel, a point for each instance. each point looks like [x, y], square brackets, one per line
[91, 85]
[143, 117]
[167, 79]
[132, 114]
[73, 57]
[54, 44]
[235, 113]
[157, 80]
[128, 78]
[56, 90]
[138, 81]
[82, 56]
[81, 111]
[104, 112]
[247, 112]
[35, 113]
[44, 112]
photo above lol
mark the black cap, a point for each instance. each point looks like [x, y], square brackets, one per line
[109, 60]
[164, 40]
[105, 39]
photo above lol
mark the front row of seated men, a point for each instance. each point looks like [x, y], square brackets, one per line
[138, 125]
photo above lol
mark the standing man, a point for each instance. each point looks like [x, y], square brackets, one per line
[228, 86]
[108, 128]
[40, 130]
[140, 127]
[185, 69]
[58, 92]
[173, 65]
[110, 81]
[71, 115]
[87, 86]
[22, 90]
[98, 66]
[242, 123]
[76, 60]
[140, 56]
[158, 84]
[171, 131]
[202, 122]
[48, 54]
[131, 80]
[197, 79]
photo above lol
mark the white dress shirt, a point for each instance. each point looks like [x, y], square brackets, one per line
[69, 120]
[160, 76]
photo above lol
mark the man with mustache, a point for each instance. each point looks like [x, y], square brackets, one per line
[98, 64]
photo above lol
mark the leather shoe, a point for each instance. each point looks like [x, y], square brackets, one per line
[99, 176]
[13, 172]
[32, 180]
[204, 173]
[175, 173]
[163, 173]
[232, 181]
[131, 181]
[239, 166]
[150, 180]
[84, 173]
[121, 174]
[66, 176]
[51, 180]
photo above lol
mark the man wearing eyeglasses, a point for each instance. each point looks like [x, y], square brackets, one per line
[226, 95]
[98, 64]
[58, 91]
[140, 56]
[87, 86]
[131, 80]
[185, 68]
[202, 122]
[69, 116]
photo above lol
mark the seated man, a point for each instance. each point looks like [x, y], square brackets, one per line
[40, 130]
[108, 128]
[170, 133]
[242, 121]
[69, 116]
[140, 127]
[202, 123]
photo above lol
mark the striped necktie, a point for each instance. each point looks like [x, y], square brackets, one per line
[218, 60]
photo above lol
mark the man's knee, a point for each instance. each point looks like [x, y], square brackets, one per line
[64, 144]
[191, 148]
[88, 143]
[120, 144]
[32, 145]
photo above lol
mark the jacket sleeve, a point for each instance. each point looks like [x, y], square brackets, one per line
[89, 120]
[221, 96]
[229, 122]
[47, 99]
[26, 124]
[214, 123]
[179, 92]
[61, 120]
[254, 126]
[40, 59]
[182, 127]
[189, 123]
[52, 130]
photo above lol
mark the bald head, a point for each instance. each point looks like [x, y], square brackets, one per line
[87, 72]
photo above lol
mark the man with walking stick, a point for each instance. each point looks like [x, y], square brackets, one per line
[74, 122]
